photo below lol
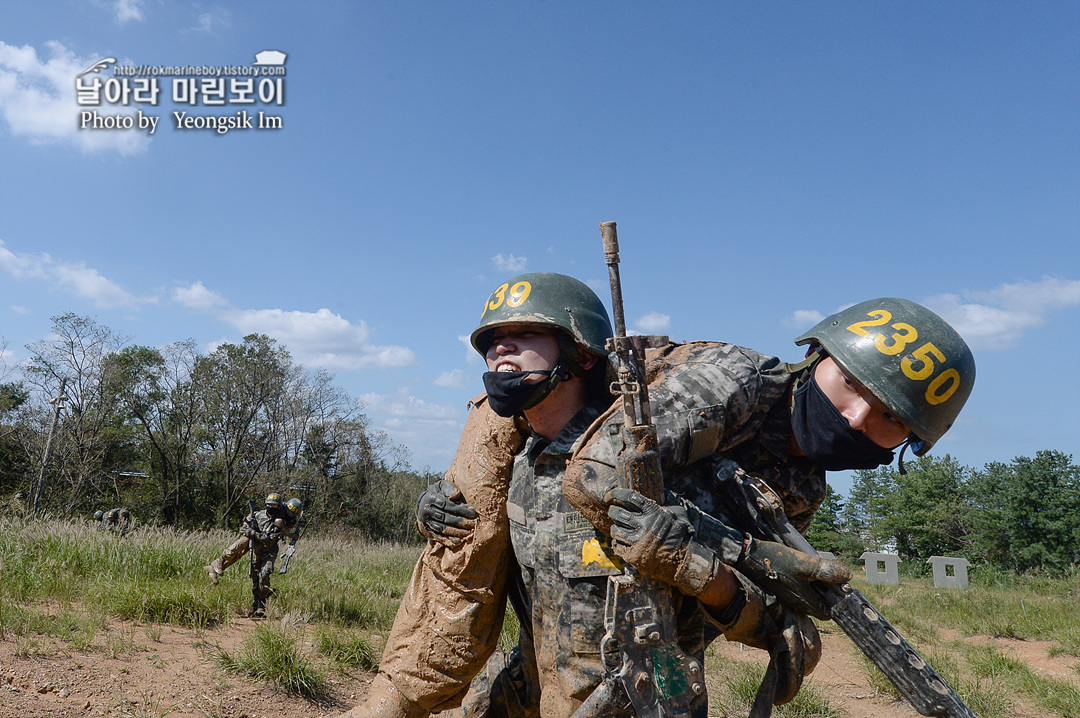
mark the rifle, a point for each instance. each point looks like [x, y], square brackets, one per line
[254, 526]
[291, 548]
[640, 649]
[757, 510]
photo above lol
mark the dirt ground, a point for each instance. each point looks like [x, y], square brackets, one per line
[169, 672]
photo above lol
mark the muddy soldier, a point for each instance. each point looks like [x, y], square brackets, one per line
[788, 423]
[563, 597]
[117, 520]
[260, 533]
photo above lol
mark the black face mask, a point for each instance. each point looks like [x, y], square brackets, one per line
[827, 438]
[508, 394]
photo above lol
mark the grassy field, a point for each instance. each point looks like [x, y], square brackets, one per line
[68, 580]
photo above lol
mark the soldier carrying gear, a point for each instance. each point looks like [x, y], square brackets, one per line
[238, 548]
[713, 403]
[117, 520]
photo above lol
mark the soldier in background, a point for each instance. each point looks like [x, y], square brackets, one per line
[117, 520]
[287, 516]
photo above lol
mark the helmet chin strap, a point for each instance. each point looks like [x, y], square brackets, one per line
[803, 369]
[558, 373]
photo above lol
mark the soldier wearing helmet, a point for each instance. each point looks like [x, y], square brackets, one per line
[117, 520]
[716, 403]
[260, 533]
[543, 337]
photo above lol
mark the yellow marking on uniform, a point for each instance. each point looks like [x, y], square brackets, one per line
[592, 551]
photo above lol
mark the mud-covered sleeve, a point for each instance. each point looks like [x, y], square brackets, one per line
[704, 396]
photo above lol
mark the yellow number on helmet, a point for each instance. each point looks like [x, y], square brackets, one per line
[882, 317]
[496, 299]
[901, 339]
[518, 294]
[923, 355]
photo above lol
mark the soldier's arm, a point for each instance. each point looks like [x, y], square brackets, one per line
[451, 616]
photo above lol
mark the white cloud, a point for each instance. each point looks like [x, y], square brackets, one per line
[431, 431]
[402, 405]
[21, 265]
[127, 10]
[198, 297]
[509, 264]
[803, 319]
[320, 339]
[19, 309]
[998, 318]
[653, 323]
[86, 282]
[76, 278]
[454, 379]
[37, 101]
[471, 356]
[211, 21]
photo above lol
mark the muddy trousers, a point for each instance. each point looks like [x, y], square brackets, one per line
[262, 567]
[230, 555]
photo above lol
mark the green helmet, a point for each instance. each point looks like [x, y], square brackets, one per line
[906, 356]
[294, 507]
[273, 499]
[548, 300]
[99, 515]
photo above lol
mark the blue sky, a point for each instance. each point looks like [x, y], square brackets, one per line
[767, 164]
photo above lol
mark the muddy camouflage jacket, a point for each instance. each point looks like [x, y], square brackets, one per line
[709, 400]
[565, 562]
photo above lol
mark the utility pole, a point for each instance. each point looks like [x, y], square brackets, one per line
[57, 403]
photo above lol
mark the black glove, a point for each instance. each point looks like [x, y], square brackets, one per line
[659, 541]
[674, 543]
[443, 516]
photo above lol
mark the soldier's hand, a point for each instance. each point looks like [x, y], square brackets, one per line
[788, 573]
[659, 541]
[443, 516]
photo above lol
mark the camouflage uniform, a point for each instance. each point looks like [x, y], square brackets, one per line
[118, 520]
[708, 398]
[565, 563]
[263, 541]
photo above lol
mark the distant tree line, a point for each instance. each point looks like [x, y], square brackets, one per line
[185, 439]
[1023, 516]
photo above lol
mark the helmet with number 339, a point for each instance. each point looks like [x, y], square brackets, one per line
[549, 300]
[911, 359]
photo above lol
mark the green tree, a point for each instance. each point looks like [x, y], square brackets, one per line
[1026, 515]
[236, 385]
[926, 511]
[154, 386]
[90, 434]
[866, 506]
[827, 531]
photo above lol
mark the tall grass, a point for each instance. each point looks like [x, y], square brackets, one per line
[276, 656]
[66, 580]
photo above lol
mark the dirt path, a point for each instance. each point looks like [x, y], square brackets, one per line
[152, 672]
